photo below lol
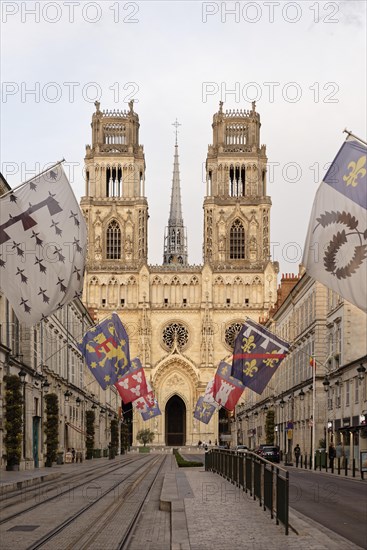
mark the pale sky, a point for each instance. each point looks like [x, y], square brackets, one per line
[304, 62]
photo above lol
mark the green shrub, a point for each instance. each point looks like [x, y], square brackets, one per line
[182, 463]
[13, 420]
[90, 418]
[51, 428]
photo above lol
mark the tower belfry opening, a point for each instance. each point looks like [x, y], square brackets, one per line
[175, 239]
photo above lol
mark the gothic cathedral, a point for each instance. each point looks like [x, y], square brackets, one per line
[181, 319]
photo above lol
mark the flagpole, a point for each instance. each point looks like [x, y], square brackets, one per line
[31, 179]
[313, 410]
[345, 131]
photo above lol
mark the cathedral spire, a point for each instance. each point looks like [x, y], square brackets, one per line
[175, 240]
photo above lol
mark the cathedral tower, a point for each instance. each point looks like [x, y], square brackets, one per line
[114, 203]
[175, 240]
[236, 207]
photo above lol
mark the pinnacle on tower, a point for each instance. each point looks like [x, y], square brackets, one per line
[175, 240]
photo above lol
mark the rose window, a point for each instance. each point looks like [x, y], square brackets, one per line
[175, 333]
[231, 334]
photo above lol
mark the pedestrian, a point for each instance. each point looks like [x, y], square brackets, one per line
[297, 453]
[331, 455]
[73, 454]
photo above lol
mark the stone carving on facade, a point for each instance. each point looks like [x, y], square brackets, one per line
[98, 248]
[175, 381]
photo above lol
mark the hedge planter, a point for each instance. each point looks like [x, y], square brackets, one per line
[90, 418]
[144, 449]
[51, 428]
[13, 421]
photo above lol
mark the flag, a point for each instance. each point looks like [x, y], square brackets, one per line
[208, 395]
[226, 389]
[336, 244]
[133, 383]
[257, 355]
[145, 402]
[43, 239]
[151, 412]
[204, 411]
[312, 362]
[105, 348]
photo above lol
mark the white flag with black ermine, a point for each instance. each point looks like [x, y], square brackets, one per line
[43, 240]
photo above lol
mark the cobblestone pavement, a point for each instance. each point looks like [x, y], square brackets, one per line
[221, 515]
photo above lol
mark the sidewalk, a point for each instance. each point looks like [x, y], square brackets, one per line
[10, 481]
[210, 513]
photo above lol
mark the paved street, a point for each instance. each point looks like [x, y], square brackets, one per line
[336, 502]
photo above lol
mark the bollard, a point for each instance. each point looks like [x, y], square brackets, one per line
[354, 467]
[346, 467]
[306, 462]
[339, 466]
[301, 460]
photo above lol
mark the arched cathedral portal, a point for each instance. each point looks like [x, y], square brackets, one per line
[175, 421]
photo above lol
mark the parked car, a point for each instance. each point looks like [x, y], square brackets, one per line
[269, 452]
[241, 448]
[258, 450]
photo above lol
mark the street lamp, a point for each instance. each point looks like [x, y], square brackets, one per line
[22, 374]
[45, 386]
[78, 401]
[361, 371]
[282, 403]
[67, 395]
[326, 383]
[301, 395]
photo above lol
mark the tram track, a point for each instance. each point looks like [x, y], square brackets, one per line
[92, 526]
[9, 498]
[70, 483]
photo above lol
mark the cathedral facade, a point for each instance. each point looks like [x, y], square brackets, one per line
[181, 319]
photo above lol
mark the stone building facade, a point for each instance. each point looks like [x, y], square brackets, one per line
[47, 360]
[181, 318]
[319, 324]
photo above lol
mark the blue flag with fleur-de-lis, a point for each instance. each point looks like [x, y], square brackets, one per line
[204, 411]
[105, 348]
[257, 355]
[335, 250]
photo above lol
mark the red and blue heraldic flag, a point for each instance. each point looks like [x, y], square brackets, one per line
[226, 389]
[204, 411]
[257, 355]
[105, 348]
[147, 405]
[132, 384]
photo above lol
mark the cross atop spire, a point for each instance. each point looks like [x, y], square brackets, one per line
[176, 124]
